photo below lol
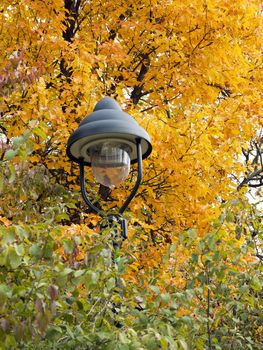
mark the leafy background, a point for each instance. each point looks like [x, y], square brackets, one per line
[190, 274]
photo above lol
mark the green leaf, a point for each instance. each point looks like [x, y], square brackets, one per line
[48, 250]
[5, 293]
[150, 342]
[35, 250]
[172, 248]
[164, 343]
[13, 258]
[229, 217]
[217, 223]
[194, 258]
[3, 257]
[12, 173]
[62, 216]
[155, 289]
[10, 154]
[183, 344]
[9, 236]
[40, 132]
[26, 135]
[111, 283]
[10, 342]
[20, 249]
[235, 202]
[220, 274]
[124, 339]
[123, 347]
[68, 246]
[165, 298]
[66, 272]
[29, 147]
[78, 273]
[255, 284]
[80, 305]
[71, 205]
[52, 332]
[192, 233]
[17, 141]
[21, 232]
[91, 278]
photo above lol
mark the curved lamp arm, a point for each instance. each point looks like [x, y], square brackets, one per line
[84, 194]
[139, 177]
[132, 194]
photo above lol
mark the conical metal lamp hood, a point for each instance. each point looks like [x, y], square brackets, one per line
[107, 123]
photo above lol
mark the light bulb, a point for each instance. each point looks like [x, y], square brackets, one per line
[110, 162]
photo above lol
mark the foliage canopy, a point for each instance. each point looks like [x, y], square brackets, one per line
[191, 270]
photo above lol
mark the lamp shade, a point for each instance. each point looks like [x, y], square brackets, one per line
[108, 123]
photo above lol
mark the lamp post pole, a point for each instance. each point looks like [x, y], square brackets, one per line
[109, 140]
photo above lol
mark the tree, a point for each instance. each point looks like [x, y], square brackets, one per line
[191, 75]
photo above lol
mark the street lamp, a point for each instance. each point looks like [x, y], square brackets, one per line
[109, 140]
